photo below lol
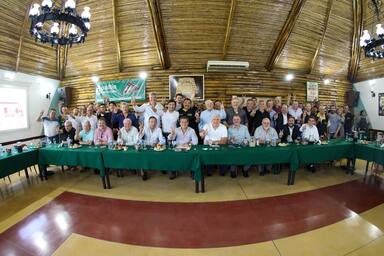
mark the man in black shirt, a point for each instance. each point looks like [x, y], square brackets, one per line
[289, 131]
[348, 120]
[68, 132]
[102, 113]
[260, 114]
[282, 118]
[250, 111]
[191, 114]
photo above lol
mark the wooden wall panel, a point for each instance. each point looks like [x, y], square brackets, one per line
[219, 85]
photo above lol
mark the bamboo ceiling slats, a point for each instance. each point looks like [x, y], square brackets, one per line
[357, 31]
[11, 20]
[301, 45]
[369, 69]
[99, 53]
[255, 27]
[137, 44]
[194, 30]
[335, 53]
[220, 86]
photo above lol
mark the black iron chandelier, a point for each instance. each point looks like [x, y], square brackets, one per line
[59, 25]
[374, 47]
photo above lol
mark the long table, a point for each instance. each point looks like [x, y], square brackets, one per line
[84, 156]
[169, 160]
[370, 153]
[10, 164]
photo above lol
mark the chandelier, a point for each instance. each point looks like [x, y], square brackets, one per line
[374, 47]
[59, 25]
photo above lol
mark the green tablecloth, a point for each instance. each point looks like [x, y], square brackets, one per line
[246, 156]
[370, 153]
[16, 162]
[84, 156]
[168, 160]
[334, 150]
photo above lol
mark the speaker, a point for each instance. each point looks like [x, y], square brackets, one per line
[65, 95]
[352, 98]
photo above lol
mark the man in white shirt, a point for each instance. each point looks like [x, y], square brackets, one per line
[152, 108]
[295, 111]
[90, 117]
[309, 131]
[152, 136]
[51, 125]
[128, 134]
[310, 134]
[183, 136]
[169, 119]
[214, 132]
[74, 118]
[207, 115]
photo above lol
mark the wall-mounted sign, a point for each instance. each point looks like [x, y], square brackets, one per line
[120, 90]
[312, 91]
[191, 86]
[381, 104]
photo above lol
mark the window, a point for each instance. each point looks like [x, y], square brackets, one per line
[13, 108]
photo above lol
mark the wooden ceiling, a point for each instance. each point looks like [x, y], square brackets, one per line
[315, 37]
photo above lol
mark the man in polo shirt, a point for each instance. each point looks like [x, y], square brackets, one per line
[86, 135]
[51, 125]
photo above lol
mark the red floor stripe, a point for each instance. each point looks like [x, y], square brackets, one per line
[188, 225]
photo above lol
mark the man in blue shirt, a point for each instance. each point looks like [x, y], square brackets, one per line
[209, 112]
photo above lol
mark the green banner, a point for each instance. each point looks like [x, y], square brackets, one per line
[120, 90]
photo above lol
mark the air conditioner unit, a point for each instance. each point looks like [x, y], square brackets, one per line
[217, 66]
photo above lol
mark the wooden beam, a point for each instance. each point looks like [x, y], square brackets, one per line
[22, 32]
[158, 31]
[315, 57]
[285, 32]
[358, 10]
[116, 35]
[229, 27]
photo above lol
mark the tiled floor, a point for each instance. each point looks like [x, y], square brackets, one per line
[267, 217]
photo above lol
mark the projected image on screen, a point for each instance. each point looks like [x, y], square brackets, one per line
[13, 108]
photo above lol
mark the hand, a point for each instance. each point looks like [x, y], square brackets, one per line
[41, 112]
[133, 101]
[141, 126]
[281, 134]
[173, 131]
[253, 113]
[275, 116]
[222, 105]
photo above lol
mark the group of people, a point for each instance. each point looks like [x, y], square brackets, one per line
[181, 122]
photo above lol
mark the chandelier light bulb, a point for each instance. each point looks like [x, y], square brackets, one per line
[70, 4]
[47, 3]
[35, 11]
[379, 30]
[55, 29]
[73, 30]
[86, 14]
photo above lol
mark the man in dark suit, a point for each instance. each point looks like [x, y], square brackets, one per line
[290, 131]
[282, 118]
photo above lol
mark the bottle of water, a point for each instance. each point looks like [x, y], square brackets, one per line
[1, 150]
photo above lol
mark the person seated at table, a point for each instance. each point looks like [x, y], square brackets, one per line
[128, 134]
[311, 134]
[85, 136]
[265, 134]
[215, 133]
[206, 116]
[238, 134]
[119, 118]
[290, 131]
[183, 136]
[51, 125]
[102, 134]
[69, 133]
[152, 136]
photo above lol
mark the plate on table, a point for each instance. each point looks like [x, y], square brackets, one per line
[183, 147]
[75, 146]
[324, 143]
[283, 144]
[158, 149]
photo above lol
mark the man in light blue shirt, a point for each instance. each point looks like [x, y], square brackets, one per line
[183, 135]
[206, 115]
[238, 134]
[86, 135]
[265, 132]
